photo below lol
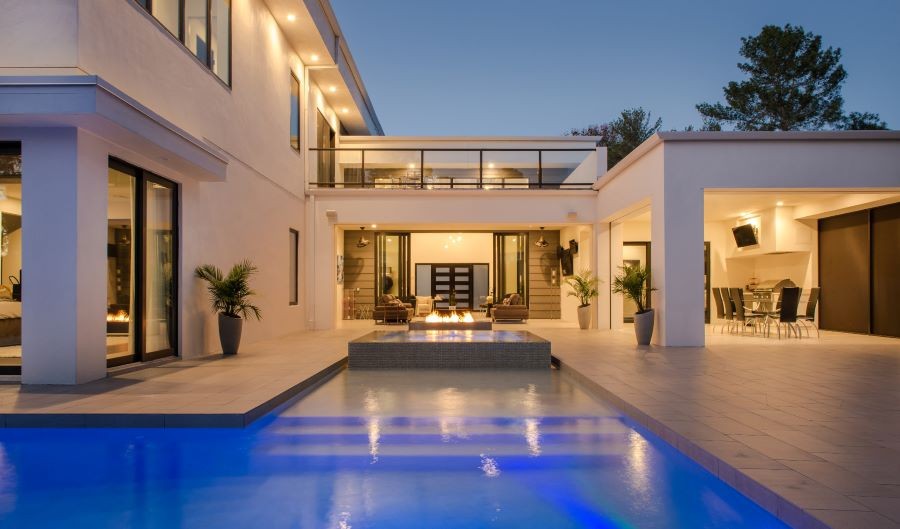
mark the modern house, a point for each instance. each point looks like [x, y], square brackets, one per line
[140, 139]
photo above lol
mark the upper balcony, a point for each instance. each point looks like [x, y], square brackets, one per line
[384, 162]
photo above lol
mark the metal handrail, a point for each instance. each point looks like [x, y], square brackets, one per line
[476, 185]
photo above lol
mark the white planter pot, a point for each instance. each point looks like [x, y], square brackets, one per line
[584, 317]
[643, 327]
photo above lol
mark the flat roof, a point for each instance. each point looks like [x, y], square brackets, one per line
[741, 136]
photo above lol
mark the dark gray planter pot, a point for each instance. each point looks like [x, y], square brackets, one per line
[230, 333]
[584, 317]
[643, 327]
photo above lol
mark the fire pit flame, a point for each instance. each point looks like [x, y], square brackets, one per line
[453, 317]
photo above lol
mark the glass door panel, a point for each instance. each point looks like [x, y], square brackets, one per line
[120, 259]
[159, 268]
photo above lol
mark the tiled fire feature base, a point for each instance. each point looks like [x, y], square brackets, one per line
[449, 349]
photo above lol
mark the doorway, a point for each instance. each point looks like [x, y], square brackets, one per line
[635, 253]
[142, 265]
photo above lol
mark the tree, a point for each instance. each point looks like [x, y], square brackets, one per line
[793, 84]
[624, 134]
[862, 121]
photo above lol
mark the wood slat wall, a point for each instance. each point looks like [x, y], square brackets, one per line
[359, 266]
[543, 296]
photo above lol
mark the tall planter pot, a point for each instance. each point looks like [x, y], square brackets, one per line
[230, 333]
[643, 327]
[584, 317]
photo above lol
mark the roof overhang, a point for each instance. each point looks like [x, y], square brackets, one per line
[737, 136]
[312, 29]
[90, 103]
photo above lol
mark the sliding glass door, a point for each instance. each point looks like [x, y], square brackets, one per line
[392, 265]
[142, 269]
[510, 265]
[159, 267]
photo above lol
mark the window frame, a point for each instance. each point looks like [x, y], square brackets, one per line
[180, 37]
[299, 99]
[294, 267]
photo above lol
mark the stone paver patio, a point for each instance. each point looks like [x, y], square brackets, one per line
[808, 429]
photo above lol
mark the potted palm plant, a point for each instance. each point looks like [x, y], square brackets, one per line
[634, 285]
[230, 296]
[584, 287]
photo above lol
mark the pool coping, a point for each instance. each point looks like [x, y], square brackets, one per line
[240, 419]
[767, 498]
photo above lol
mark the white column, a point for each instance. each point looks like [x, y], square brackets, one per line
[617, 301]
[64, 194]
[677, 266]
[325, 271]
[601, 251]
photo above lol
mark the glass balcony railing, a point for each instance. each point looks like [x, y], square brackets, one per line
[390, 168]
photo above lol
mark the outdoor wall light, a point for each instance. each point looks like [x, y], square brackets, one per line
[362, 242]
[542, 242]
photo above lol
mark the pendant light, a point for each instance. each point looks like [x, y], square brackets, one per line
[542, 242]
[362, 242]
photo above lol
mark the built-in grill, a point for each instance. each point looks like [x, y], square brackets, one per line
[764, 291]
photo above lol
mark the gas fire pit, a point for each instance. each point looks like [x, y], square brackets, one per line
[450, 322]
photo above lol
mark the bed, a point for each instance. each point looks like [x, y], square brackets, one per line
[10, 323]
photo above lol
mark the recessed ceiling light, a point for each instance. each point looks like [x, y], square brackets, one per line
[345, 110]
[332, 89]
[779, 203]
[291, 17]
[314, 57]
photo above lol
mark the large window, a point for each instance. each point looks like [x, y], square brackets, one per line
[294, 267]
[203, 26]
[142, 265]
[295, 112]
[10, 258]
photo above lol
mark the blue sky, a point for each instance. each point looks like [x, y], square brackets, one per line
[527, 67]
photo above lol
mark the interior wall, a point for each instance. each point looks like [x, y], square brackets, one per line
[544, 276]
[451, 248]
[359, 267]
[580, 262]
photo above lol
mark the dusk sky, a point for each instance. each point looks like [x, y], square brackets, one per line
[526, 67]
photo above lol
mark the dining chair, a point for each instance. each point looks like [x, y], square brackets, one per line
[743, 316]
[720, 307]
[786, 315]
[728, 307]
[810, 315]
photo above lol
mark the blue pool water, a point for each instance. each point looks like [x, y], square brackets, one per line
[377, 449]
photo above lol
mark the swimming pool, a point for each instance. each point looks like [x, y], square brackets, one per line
[377, 449]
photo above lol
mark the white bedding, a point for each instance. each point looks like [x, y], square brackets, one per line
[10, 309]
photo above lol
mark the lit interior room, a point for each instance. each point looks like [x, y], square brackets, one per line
[10, 257]
[839, 248]
[509, 276]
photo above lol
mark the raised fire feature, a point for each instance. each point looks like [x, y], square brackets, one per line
[453, 321]
[450, 349]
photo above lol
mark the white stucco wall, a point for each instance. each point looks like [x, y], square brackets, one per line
[671, 171]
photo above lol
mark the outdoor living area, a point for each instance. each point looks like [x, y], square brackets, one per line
[459, 280]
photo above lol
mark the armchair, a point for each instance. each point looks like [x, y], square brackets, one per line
[512, 308]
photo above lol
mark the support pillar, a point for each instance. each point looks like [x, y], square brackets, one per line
[64, 229]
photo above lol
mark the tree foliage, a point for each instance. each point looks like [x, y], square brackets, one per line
[793, 84]
[623, 134]
[863, 121]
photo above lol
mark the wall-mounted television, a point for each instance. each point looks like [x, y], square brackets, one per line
[745, 235]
